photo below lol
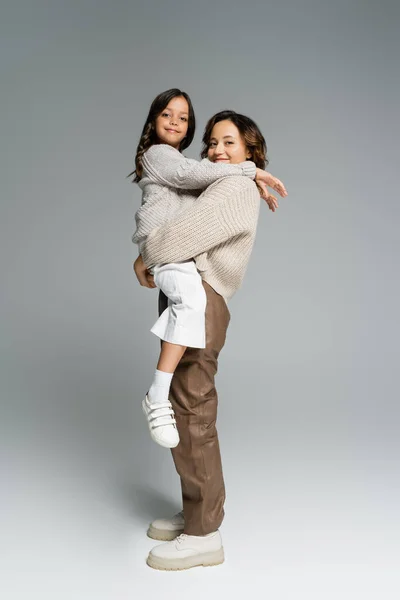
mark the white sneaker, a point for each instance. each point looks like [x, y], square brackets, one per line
[167, 529]
[187, 551]
[161, 421]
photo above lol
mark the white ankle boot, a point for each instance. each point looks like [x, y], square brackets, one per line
[161, 421]
[187, 551]
[167, 529]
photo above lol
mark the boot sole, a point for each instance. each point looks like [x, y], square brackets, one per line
[209, 559]
[164, 535]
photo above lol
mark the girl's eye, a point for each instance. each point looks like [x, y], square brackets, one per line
[165, 114]
[184, 118]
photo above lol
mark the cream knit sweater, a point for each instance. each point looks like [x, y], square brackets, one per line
[172, 183]
[216, 228]
[218, 231]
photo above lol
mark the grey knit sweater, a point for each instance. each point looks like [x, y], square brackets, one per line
[172, 183]
[218, 231]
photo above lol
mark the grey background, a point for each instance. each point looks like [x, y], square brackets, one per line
[308, 379]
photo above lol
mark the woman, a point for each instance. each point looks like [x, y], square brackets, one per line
[220, 228]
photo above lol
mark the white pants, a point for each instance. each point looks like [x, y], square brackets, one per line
[183, 321]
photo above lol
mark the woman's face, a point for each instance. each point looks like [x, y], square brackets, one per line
[172, 123]
[226, 144]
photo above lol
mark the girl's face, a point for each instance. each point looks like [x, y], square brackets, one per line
[172, 123]
[226, 144]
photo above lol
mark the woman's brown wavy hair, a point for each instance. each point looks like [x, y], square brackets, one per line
[249, 130]
[149, 136]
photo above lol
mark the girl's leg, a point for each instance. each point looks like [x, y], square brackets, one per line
[170, 356]
[181, 324]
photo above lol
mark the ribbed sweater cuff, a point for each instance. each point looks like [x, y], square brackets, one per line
[249, 168]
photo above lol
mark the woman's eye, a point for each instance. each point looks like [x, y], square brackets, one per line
[229, 142]
[211, 144]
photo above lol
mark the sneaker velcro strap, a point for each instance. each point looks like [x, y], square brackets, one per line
[171, 422]
[163, 413]
[155, 405]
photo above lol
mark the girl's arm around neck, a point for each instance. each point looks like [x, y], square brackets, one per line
[166, 166]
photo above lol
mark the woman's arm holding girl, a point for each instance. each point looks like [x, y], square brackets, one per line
[229, 209]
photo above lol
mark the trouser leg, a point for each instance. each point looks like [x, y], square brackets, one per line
[194, 398]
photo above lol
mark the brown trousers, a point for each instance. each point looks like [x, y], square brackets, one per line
[194, 399]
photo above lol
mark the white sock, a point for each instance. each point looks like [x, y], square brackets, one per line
[159, 389]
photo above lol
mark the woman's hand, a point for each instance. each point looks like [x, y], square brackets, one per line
[265, 180]
[142, 273]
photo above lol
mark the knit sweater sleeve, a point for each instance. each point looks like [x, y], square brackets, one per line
[167, 166]
[227, 211]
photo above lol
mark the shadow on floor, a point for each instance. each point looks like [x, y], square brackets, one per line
[145, 503]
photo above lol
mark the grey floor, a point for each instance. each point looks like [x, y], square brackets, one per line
[311, 511]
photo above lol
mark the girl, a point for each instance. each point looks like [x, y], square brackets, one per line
[170, 185]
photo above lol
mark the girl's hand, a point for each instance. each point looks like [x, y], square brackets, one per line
[269, 198]
[263, 177]
[142, 273]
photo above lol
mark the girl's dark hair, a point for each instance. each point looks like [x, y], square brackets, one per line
[249, 130]
[149, 136]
